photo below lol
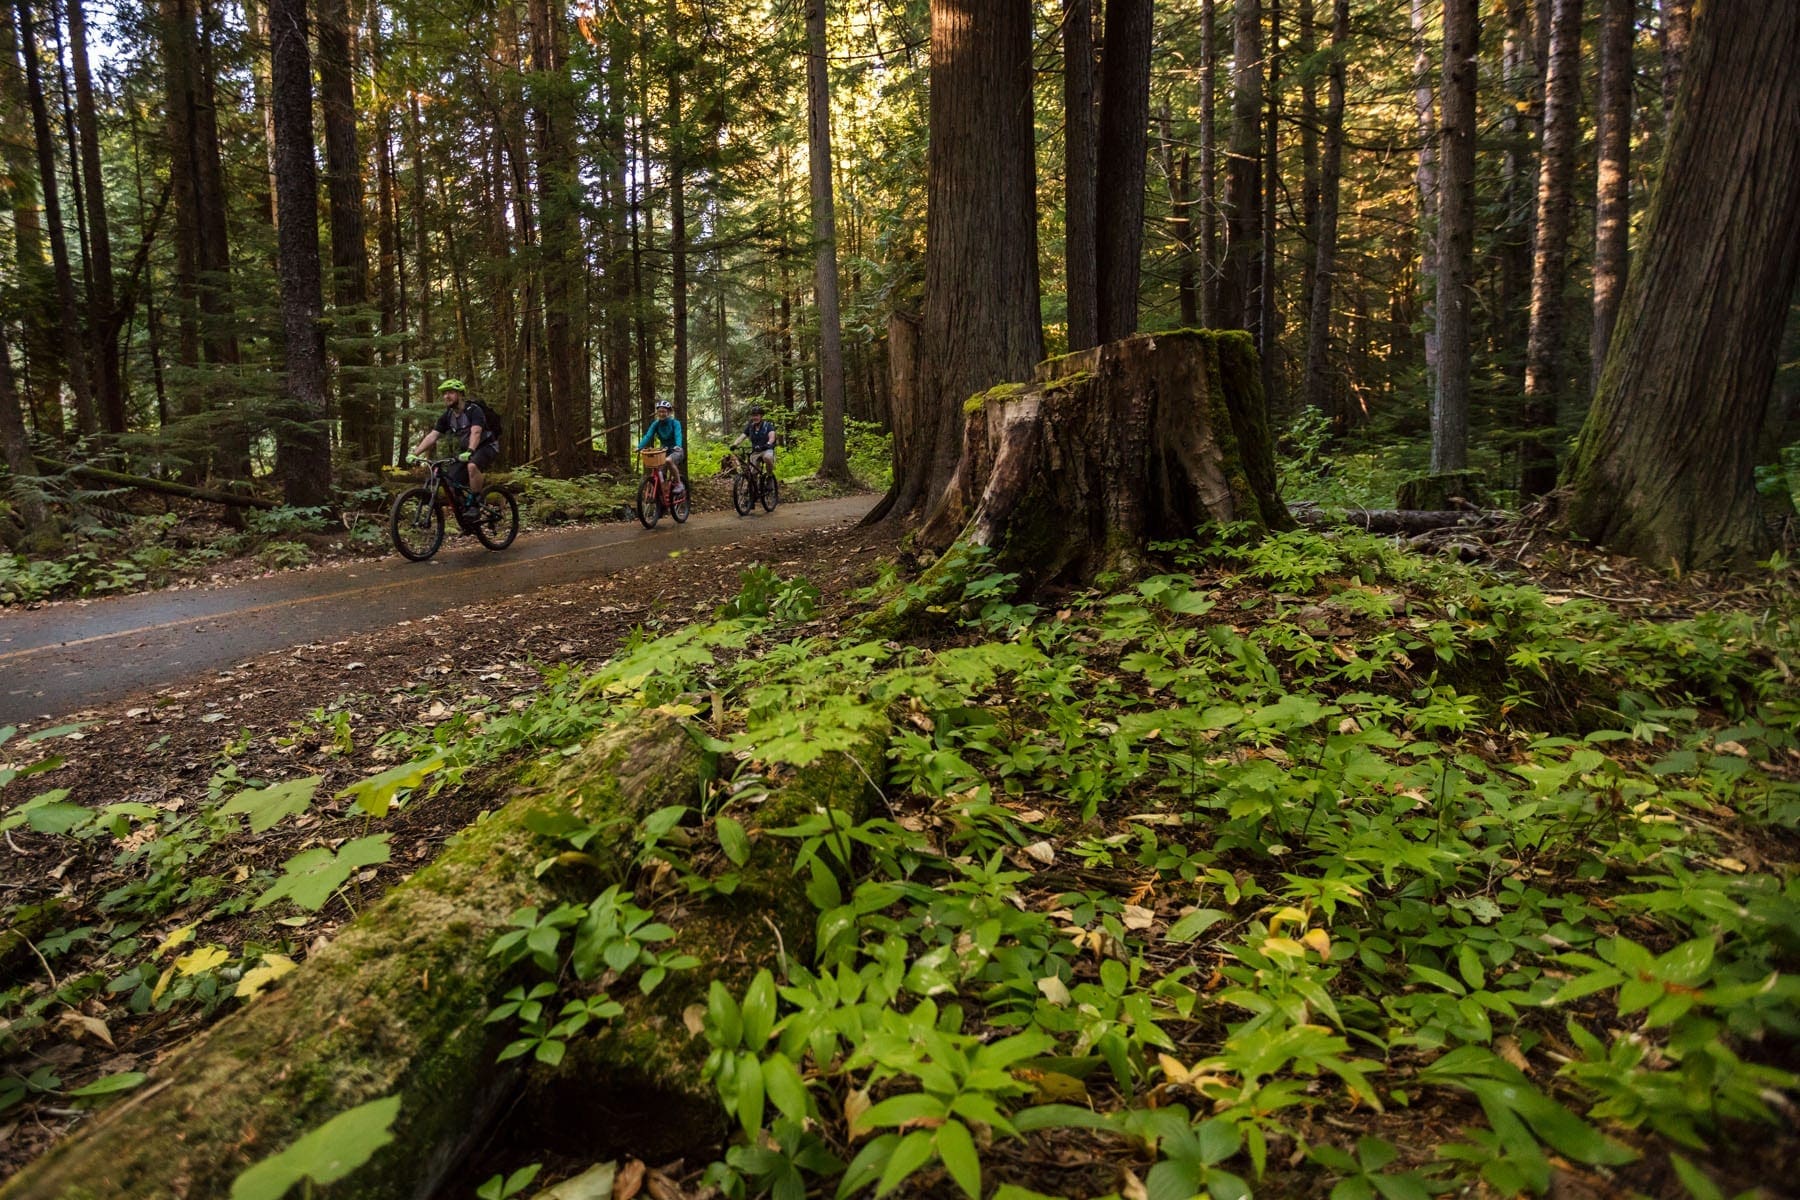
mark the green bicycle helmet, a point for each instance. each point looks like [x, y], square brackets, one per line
[451, 385]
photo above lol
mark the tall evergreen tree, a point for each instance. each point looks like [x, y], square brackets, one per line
[1456, 239]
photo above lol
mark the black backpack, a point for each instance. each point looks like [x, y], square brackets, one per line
[492, 423]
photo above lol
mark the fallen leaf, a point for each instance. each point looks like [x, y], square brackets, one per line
[94, 1027]
[694, 1017]
[1133, 1188]
[1043, 852]
[856, 1103]
[1055, 990]
[1136, 916]
[630, 1180]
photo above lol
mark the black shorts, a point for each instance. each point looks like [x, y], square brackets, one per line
[483, 457]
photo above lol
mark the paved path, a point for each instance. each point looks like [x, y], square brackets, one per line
[70, 656]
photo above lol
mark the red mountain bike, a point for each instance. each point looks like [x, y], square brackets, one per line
[656, 494]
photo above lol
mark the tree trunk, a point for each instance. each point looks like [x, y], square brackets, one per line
[230, 430]
[1518, 76]
[177, 22]
[1209, 170]
[1676, 32]
[74, 354]
[1123, 145]
[981, 323]
[1079, 181]
[1181, 221]
[1665, 466]
[1456, 244]
[1321, 386]
[834, 465]
[1268, 325]
[1425, 176]
[36, 282]
[388, 286]
[1550, 261]
[1612, 186]
[677, 174]
[1309, 166]
[619, 297]
[560, 241]
[424, 346]
[395, 1005]
[349, 256]
[1107, 450]
[1243, 187]
[303, 445]
[102, 319]
[15, 444]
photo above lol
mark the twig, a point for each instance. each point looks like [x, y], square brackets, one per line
[54, 986]
[780, 945]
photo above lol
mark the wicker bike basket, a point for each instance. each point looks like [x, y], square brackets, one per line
[653, 458]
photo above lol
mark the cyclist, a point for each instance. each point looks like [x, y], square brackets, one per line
[666, 432]
[762, 438]
[470, 426]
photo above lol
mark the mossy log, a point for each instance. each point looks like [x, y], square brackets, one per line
[394, 1005]
[397, 1003]
[1109, 449]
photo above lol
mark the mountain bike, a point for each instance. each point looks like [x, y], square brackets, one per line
[656, 494]
[416, 522]
[753, 485]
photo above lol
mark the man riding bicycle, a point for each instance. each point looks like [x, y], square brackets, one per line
[666, 432]
[469, 427]
[762, 437]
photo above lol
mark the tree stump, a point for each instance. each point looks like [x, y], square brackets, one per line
[1106, 450]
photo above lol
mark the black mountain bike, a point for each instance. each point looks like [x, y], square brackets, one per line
[417, 520]
[755, 484]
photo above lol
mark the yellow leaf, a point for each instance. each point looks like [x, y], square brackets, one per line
[203, 959]
[1320, 941]
[1173, 1071]
[856, 1103]
[180, 937]
[1284, 946]
[274, 966]
[162, 985]
[1289, 913]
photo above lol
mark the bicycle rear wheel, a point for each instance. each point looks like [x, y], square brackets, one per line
[498, 523]
[681, 508]
[416, 524]
[743, 494]
[649, 507]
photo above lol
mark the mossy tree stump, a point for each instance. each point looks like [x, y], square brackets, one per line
[1106, 450]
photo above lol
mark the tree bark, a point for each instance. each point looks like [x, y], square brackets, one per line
[677, 175]
[981, 322]
[1664, 470]
[1268, 325]
[1612, 186]
[1243, 186]
[1456, 234]
[74, 354]
[102, 318]
[568, 439]
[1079, 181]
[1310, 184]
[1176, 171]
[303, 446]
[230, 431]
[1425, 177]
[1321, 385]
[834, 465]
[1513, 248]
[349, 255]
[1209, 170]
[620, 297]
[42, 376]
[1120, 157]
[1544, 371]
[1144, 439]
[388, 284]
[1674, 35]
[15, 444]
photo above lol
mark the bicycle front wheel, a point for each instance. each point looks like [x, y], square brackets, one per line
[743, 495]
[498, 523]
[771, 492]
[649, 506]
[416, 524]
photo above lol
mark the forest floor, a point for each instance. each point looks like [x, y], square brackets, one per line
[129, 893]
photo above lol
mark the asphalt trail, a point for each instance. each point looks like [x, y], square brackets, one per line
[66, 657]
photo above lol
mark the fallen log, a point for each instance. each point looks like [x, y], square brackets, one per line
[147, 484]
[397, 1004]
[1404, 521]
[394, 1005]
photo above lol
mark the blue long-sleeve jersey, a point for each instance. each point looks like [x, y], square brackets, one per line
[666, 432]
